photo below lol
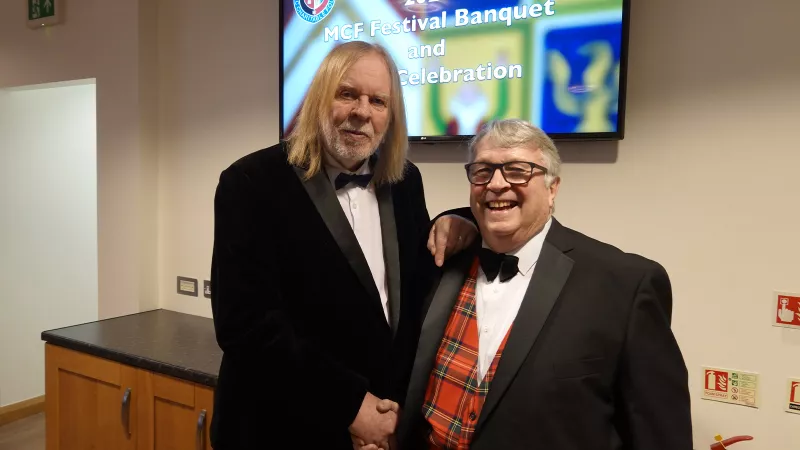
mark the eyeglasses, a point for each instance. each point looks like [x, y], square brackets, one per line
[514, 172]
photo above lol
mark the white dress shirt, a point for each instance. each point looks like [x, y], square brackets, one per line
[497, 304]
[360, 205]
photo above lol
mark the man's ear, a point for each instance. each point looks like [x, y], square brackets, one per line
[554, 185]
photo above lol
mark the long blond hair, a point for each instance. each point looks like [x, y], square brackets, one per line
[306, 145]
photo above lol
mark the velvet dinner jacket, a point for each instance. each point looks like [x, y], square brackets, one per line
[590, 362]
[296, 311]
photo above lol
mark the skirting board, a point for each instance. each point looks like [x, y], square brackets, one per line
[21, 410]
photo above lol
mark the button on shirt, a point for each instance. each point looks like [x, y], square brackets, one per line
[360, 206]
[497, 303]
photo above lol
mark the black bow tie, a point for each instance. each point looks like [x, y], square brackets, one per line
[498, 263]
[344, 178]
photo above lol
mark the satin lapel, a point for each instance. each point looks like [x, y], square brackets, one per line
[549, 276]
[391, 253]
[438, 314]
[322, 194]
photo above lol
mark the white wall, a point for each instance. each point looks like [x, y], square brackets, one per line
[112, 41]
[705, 181]
[48, 225]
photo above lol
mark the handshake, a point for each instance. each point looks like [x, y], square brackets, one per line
[374, 426]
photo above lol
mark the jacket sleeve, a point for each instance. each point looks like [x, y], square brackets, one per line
[421, 216]
[249, 310]
[655, 405]
[465, 212]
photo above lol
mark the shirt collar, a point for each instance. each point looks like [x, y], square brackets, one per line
[529, 253]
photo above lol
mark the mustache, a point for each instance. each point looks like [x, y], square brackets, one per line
[365, 130]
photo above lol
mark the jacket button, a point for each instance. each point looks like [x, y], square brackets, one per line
[472, 416]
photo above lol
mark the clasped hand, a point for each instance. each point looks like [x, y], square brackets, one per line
[375, 424]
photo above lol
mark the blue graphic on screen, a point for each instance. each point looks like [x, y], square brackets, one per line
[581, 95]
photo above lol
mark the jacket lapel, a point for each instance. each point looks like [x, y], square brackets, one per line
[549, 276]
[391, 253]
[322, 194]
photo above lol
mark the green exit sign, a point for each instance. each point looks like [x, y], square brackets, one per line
[41, 9]
[43, 13]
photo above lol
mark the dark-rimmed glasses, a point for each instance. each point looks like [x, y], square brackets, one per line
[514, 172]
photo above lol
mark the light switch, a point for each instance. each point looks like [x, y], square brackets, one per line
[187, 286]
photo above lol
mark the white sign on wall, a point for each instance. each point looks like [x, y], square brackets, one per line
[730, 386]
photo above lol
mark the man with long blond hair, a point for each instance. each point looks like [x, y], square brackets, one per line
[317, 273]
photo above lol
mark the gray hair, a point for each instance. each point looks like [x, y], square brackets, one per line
[508, 133]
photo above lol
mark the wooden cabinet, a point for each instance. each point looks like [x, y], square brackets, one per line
[83, 401]
[173, 414]
[94, 403]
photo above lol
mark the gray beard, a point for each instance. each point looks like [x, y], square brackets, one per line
[341, 150]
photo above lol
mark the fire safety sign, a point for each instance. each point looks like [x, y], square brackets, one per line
[786, 310]
[730, 386]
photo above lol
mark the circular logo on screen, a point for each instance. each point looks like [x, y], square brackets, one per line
[313, 10]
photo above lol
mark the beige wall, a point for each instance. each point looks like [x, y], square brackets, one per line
[705, 181]
[103, 40]
[218, 97]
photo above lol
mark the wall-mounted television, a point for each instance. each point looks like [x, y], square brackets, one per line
[560, 64]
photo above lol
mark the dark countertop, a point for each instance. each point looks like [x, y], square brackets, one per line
[171, 343]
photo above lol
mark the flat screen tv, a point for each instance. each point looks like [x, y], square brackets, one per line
[560, 64]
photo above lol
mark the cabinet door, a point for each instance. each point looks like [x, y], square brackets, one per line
[204, 398]
[173, 414]
[89, 401]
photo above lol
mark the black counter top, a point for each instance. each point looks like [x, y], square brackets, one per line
[171, 343]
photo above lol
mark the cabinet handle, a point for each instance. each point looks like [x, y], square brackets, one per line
[126, 411]
[201, 431]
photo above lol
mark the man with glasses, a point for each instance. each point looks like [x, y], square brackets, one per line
[540, 337]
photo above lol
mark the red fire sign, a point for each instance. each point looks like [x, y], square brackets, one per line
[788, 311]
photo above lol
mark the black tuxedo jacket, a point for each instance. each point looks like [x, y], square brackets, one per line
[296, 310]
[591, 362]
